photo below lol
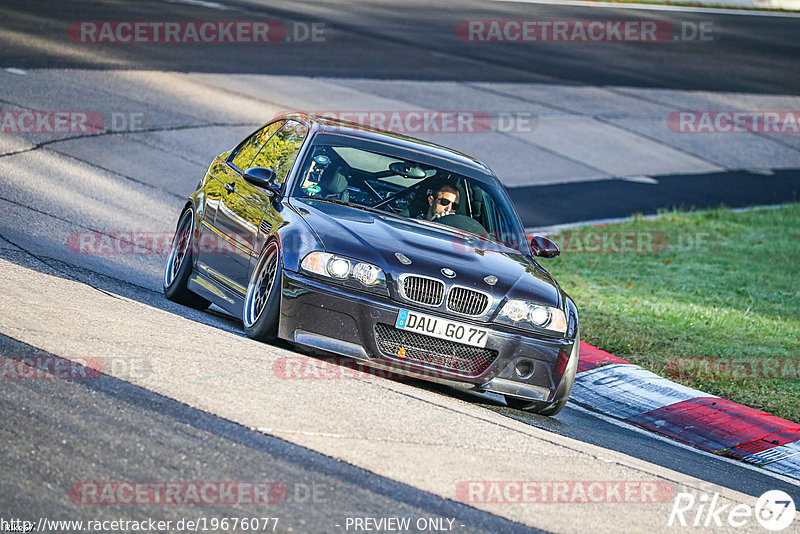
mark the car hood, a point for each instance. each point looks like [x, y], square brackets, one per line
[377, 238]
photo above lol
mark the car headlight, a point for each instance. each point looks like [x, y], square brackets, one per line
[367, 274]
[524, 314]
[344, 269]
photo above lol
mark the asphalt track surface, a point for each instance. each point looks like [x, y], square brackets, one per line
[164, 425]
[145, 435]
[387, 39]
[548, 205]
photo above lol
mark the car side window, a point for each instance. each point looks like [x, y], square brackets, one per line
[281, 150]
[247, 151]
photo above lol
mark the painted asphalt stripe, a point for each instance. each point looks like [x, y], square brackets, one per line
[592, 357]
[788, 461]
[775, 454]
[639, 430]
[712, 424]
[779, 453]
[728, 430]
[625, 390]
[752, 449]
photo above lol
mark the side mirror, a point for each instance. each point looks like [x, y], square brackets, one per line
[262, 177]
[544, 247]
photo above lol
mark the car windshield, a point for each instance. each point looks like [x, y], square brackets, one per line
[409, 189]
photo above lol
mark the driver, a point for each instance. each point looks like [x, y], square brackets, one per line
[443, 202]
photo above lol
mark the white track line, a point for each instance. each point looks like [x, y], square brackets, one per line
[655, 7]
[201, 3]
[634, 428]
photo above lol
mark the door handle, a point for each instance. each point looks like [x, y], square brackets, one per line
[230, 187]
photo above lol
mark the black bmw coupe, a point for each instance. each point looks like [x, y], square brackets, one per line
[398, 253]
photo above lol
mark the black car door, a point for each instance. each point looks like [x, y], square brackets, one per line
[213, 191]
[244, 206]
[225, 247]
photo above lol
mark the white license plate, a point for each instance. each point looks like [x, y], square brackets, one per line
[442, 328]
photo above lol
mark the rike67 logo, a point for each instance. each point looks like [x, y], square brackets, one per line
[774, 510]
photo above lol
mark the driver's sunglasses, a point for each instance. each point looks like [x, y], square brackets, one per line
[446, 202]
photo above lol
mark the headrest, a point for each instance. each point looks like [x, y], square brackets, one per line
[333, 181]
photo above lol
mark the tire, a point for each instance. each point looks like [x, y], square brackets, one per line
[262, 302]
[537, 407]
[562, 393]
[178, 268]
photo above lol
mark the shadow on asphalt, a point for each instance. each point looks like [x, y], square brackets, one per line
[347, 479]
[547, 205]
[415, 40]
[574, 424]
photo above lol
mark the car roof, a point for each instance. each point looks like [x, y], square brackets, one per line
[338, 126]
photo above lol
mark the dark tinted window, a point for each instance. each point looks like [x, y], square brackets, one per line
[410, 189]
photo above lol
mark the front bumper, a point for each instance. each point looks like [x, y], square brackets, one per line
[359, 325]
